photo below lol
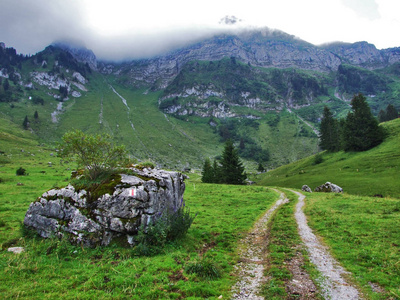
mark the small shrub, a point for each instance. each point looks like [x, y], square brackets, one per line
[146, 164]
[21, 172]
[169, 226]
[204, 268]
[318, 159]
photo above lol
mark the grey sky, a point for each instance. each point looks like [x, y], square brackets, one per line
[120, 29]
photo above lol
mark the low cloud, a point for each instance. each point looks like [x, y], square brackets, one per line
[229, 20]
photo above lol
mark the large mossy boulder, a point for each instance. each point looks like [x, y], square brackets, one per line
[114, 209]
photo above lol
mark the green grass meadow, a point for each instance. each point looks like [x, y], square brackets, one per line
[376, 171]
[363, 235]
[52, 268]
[361, 231]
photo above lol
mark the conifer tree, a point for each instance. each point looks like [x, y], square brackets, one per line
[361, 130]
[329, 132]
[232, 170]
[207, 174]
[25, 124]
[36, 115]
[391, 113]
[216, 172]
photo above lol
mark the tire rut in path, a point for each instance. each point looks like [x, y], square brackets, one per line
[334, 286]
[251, 268]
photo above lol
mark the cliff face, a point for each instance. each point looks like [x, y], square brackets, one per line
[364, 55]
[258, 48]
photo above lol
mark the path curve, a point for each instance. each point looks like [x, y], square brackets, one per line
[334, 286]
[251, 268]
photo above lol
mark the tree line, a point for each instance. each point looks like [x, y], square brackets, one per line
[359, 131]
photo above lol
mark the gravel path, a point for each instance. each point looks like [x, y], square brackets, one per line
[251, 265]
[334, 286]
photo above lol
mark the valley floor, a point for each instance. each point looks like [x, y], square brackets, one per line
[247, 242]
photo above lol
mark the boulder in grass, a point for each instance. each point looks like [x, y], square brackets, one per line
[306, 188]
[329, 187]
[116, 209]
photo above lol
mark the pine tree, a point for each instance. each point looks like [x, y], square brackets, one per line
[329, 132]
[391, 113]
[382, 116]
[25, 124]
[36, 115]
[216, 172]
[207, 174]
[361, 130]
[232, 170]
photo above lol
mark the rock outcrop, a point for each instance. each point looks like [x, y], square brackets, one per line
[115, 210]
[306, 188]
[328, 188]
[262, 48]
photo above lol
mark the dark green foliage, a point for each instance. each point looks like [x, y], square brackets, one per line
[361, 130]
[329, 132]
[391, 113]
[169, 226]
[63, 91]
[318, 159]
[21, 172]
[37, 100]
[251, 150]
[25, 124]
[248, 148]
[36, 115]
[207, 174]
[232, 170]
[354, 80]
[260, 168]
[6, 85]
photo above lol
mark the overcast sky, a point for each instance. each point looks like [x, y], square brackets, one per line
[118, 29]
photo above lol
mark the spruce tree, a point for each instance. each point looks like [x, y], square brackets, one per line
[391, 113]
[36, 115]
[25, 124]
[216, 172]
[361, 130]
[329, 132]
[382, 116]
[232, 170]
[207, 174]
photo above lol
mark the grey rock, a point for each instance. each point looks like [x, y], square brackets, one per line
[306, 188]
[329, 188]
[136, 199]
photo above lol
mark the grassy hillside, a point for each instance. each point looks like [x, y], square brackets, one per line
[147, 132]
[365, 173]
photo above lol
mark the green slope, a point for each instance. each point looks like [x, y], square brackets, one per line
[365, 173]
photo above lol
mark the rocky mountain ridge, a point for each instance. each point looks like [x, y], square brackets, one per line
[264, 48]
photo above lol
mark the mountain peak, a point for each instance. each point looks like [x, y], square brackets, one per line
[79, 52]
